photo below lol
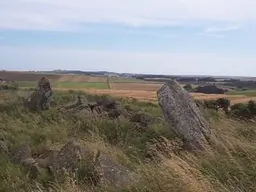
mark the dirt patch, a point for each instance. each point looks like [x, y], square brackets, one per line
[26, 76]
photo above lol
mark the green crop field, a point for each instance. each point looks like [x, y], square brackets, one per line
[249, 93]
[29, 84]
[95, 85]
[125, 80]
[78, 85]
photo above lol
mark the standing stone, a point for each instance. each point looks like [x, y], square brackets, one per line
[183, 115]
[41, 98]
[4, 148]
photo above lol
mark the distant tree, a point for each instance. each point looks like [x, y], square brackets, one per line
[209, 89]
[207, 79]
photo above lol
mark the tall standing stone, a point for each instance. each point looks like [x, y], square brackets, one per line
[183, 115]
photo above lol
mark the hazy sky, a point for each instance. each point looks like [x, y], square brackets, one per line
[205, 37]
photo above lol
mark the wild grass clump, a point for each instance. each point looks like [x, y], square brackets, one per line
[8, 86]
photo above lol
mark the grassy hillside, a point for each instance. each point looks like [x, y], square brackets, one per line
[153, 153]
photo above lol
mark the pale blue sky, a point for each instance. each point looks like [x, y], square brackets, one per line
[190, 37]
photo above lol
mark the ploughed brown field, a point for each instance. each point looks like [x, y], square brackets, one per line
[29, 76]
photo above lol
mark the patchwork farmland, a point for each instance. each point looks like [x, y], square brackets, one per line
[115, 86]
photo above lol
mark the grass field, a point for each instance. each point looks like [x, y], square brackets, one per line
[68, 85]
[250, 93]
[95, 85]
[138, 90]
[125, 80]
[29, 84]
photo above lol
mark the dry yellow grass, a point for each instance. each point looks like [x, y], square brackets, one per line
[227, 165]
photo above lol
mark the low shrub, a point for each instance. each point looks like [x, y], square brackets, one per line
[223, 104]
[210, 104]
[188, 87]
[244, 111]
[8, 86]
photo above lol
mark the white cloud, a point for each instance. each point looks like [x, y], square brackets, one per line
[221, 29]
[186, 63]
[65, 14]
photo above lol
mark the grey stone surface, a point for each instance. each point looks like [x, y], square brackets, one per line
[20, 154]
[183, 115]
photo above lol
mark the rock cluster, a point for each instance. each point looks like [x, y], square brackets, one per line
[74, 158]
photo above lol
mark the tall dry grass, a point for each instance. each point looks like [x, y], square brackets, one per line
[228, 165]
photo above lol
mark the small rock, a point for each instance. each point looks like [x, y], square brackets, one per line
[92, 105]
[69, 156]
[34, 171]
[115, 113]
[28, 161]
[108, 104]
[142, 118]
[21, 153]
[98, 109]
[32, 167]
[82, 99]
[114, 173]
[4, 148]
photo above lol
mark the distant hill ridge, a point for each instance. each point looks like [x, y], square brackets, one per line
[56, 75]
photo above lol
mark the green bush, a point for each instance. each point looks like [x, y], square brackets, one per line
[210, 104]
[220, 103]
[252, 107]
[244, 111]
[223, 103]
[8, 86]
